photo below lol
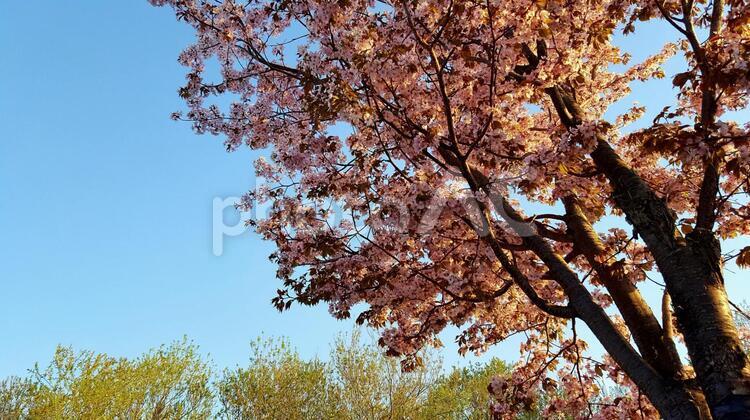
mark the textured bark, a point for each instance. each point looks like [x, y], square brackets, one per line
[656, 347]
[704, 317]
[654, 342]
[692, 272]
[671, 399]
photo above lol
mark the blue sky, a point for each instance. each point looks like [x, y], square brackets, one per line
[106, 208]
[106, 203]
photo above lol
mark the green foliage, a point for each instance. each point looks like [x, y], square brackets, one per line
[278, 384]
[373, 386]
[462, 394]
[170, 382]
[173, 382]
[13, 396]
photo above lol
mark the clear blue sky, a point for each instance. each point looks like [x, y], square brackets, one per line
[105, 215]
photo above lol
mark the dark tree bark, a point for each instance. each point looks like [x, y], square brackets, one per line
[670, 397]
[656, 347]
[693, 275]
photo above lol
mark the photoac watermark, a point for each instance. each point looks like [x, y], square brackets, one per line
[392, 214]
[220, 229]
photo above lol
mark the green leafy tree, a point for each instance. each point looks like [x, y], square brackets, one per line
[171, 382]
[13, 397]
[278, 384]
[358, 382]
[372, 385]
[462, 394]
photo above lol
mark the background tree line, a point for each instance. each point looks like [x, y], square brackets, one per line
[176, 382]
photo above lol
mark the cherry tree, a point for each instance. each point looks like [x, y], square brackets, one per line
[465, 144]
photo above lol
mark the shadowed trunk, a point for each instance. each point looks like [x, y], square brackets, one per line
[658, 349]
[654, 343]
[672, 399]
[692, 273]
[691, 269]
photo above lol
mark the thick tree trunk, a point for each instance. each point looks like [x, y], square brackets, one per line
[704, 318]
[692, 273]
[672, 399]
[654, 342]
[656, 347]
